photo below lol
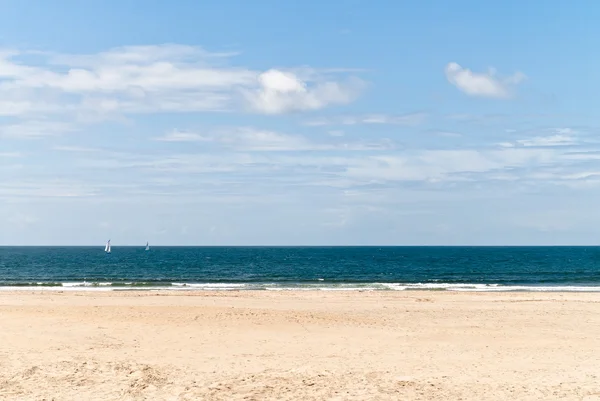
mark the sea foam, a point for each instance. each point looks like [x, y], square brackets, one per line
[317, 286]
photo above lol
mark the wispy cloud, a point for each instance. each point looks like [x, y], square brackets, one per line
[427, 166]
[11, 155]
[75, 149]
[162, 78]
[255, 140]
[444, 165]
[403, 119]
[553, 140]
[482, 84]
[446, 134]
[34, 129]
[560, 137]
[46, 189]
[181, 136]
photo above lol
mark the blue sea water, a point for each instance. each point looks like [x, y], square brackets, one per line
[281, 268]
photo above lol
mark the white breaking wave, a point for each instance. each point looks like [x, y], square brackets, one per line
[82, 284]
[54, 288]
[319, 286]
[210, 286]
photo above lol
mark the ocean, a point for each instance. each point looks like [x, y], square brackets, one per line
[301, 268]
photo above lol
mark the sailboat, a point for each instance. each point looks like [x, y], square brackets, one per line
[107, 247]
[147, 246]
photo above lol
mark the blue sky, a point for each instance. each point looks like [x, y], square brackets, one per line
[319, 123]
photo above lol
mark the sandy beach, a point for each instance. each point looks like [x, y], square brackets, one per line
[302, 345]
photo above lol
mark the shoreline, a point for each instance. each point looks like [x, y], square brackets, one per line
[320, 284]
[351, 296]
[245, 288]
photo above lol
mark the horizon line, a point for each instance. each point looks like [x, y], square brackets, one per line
[304, 246]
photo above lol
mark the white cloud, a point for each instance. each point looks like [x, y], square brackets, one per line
[181, 136]
[282, 92]
[445, 134]
[10, 154]
[482, 84]
[249, 139]
[138, 54]
[76, 149]
[11, 105]
[553, 140]
[46, 189]
[256, 140]
[261, 154]
[163, 78]
[565, 131]
[561, 137]
[132, 70]
[405, 119]
[34, 129]
[435, 166]
[448, 134]
[590, 155]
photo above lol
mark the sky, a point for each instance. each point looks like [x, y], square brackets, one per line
[299, 123]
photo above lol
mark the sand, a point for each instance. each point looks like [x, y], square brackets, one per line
[304, 345]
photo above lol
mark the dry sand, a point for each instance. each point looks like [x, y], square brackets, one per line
[299, 346]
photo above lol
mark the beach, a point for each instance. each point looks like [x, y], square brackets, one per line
[299, 345]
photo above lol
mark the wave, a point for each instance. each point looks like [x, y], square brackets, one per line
[319, 286]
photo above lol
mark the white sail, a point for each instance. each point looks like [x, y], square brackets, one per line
[147, 246]
[107, 247]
